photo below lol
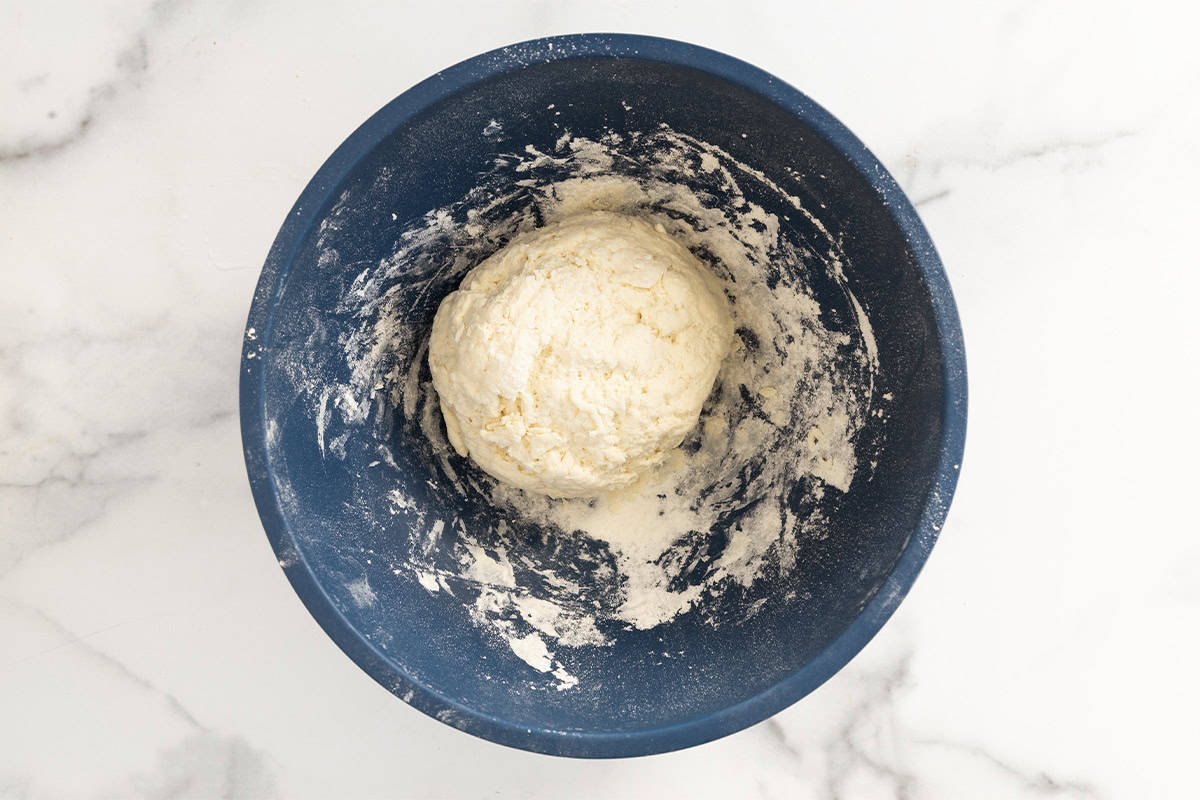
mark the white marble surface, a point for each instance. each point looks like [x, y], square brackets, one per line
[148, 153]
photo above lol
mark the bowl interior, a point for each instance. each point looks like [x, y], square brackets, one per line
[344, 537]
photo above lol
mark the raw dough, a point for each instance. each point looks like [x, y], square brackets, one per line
[579, 355]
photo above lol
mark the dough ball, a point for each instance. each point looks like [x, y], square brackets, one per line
[579, 355]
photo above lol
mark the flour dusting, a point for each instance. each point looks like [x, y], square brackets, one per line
[732, 507]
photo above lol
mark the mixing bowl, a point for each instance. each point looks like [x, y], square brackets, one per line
[487, 610]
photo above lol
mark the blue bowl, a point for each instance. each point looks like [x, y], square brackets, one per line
[327, 449]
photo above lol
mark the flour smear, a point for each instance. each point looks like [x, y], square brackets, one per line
[722, 519]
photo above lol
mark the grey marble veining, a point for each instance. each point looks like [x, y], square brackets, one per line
[151, 646]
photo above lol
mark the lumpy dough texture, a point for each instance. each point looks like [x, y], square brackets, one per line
[579, 355]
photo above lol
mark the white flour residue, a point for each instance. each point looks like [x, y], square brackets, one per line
[361, 593]
[728, 513]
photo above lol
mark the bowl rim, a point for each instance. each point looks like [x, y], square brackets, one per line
[318, 194]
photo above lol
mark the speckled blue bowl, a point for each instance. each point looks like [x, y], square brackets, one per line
[337, 535]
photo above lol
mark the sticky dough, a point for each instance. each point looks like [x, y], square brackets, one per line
[579, 355]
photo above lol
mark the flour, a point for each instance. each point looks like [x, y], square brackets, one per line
[361, 593]
[728, 510]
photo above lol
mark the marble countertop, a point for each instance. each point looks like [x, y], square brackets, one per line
[149, 152]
